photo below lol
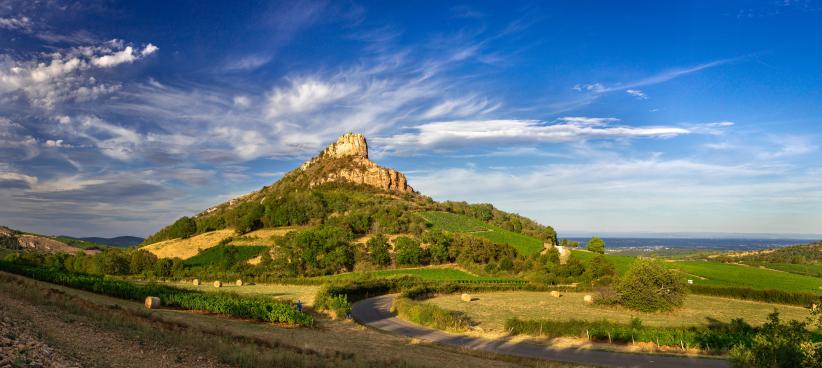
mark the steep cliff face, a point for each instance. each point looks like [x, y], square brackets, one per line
[346, 160]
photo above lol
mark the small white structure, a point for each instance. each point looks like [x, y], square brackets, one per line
[690, 282]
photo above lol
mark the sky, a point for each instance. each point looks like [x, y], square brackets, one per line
[675, 116]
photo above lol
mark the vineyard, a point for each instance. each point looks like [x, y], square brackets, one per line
[455, 223]
[227, 304]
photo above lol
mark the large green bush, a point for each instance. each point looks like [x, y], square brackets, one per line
[777, 345]
[650, 287]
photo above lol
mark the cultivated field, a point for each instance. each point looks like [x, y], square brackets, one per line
[304, 293]
[452, 222]
[726, 275]
[264, 237]
[187, 248]
[491, 310]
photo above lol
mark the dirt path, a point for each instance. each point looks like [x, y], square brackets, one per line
[65, 339]
[375, 312]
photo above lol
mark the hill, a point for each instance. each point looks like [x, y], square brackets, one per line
[336, 201]
[21, 241]
[342, 187]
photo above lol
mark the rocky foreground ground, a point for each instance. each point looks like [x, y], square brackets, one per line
[20, 346]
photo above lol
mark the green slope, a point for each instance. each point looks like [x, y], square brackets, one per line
[452, 222]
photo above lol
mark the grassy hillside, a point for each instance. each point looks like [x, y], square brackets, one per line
[452, 222]
[224, 254]
[189, 247]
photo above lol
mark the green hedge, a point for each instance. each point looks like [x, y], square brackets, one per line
[233, 305]
[769, 295]
[718, 338]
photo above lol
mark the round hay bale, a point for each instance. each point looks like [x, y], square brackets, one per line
[152, 302]
[465, 297]
[196, 282]
[588, 299]
[239, 283]
[555, 293]
[218, 284]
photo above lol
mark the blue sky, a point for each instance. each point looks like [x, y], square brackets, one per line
[692, 116]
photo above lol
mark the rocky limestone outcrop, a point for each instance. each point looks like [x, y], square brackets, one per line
[359, 169]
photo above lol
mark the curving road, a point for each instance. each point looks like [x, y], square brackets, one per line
[375, 312]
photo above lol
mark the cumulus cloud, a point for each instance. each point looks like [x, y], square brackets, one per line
[48, 79]
[507, 131]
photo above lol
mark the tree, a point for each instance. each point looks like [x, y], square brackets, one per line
[378, 250]
[649, 287]
[141, 261]
[596, 245]
[600, 267]
[777, 345]
[408, 251]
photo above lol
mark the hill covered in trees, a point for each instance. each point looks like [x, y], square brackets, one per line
[341, 187]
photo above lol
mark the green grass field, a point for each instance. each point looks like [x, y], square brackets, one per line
[217, 254]
[731, 275]
[427, 274]
[726, 275]
[814, 269]
[452, 222]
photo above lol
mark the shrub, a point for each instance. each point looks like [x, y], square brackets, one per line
[378, 250]
[408, 251]
[596, 245]
[776, 344]
[768, 295]
[649, 287]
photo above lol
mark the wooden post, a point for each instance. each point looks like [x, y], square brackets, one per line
[609, 338]
[587, 334]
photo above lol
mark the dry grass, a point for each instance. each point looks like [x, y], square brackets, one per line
[263, 236]
[304, 293]
[491, 310]
[187, 248]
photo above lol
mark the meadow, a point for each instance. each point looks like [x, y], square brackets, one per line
[491, 310]
[456, 223]
[189, 247]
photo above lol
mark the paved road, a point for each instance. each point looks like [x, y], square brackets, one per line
[375, 312]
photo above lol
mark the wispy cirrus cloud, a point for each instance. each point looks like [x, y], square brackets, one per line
[509, 131]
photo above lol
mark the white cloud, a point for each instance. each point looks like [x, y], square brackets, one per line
[789, 146]
[23, 23]
[500, 131]
[149, 49]
[637, 93]
[306, 95]
[59, 76]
